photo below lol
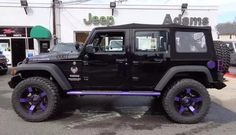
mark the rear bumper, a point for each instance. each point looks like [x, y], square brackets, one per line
[219, 84]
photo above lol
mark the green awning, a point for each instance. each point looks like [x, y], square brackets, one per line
[40, 32]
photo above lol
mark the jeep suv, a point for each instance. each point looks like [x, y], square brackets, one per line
[176, 63]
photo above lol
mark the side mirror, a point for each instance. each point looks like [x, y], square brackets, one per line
[89, 49]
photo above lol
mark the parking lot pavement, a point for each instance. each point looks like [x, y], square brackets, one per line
[120, 116]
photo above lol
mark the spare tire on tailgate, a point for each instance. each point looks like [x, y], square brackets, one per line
[222, 54]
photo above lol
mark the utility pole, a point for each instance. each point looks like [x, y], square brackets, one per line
[54, 21]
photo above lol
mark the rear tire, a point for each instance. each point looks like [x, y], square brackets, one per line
[35, 99]
[187, 101]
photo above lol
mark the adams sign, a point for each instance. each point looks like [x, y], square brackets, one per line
[188, 21]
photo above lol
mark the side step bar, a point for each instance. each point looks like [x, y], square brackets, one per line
[116, 93]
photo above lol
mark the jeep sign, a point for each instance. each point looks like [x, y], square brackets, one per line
[103, 20]
[188, 21]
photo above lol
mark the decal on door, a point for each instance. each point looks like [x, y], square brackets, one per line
[74, 69]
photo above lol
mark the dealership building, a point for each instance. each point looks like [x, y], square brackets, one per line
[26, 29]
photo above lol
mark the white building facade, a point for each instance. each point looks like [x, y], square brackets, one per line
[74, 22]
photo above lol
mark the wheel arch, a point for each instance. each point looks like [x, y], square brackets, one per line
[44, 70]
[180, 72]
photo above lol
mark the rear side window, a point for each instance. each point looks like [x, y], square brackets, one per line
[190, 42]
[155, 41]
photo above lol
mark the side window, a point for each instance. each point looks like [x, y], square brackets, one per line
[155, 41]
[190, 42]
[109, 42]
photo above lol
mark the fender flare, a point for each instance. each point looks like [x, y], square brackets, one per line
[51, 68]
[179, 69]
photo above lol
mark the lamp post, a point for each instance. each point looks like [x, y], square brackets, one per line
[112, 6]
[184, 7]
[24, 4]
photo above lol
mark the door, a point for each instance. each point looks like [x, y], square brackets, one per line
[18, 50]
[106, 67]
[44, 46]
[148, 59]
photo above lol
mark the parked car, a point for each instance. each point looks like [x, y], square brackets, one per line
[232, 48]
[3, 64]
[115, 45]
[176, 63]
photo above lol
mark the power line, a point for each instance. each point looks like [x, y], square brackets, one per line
[75, 1]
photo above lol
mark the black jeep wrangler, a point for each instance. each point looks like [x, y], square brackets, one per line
[176, 63]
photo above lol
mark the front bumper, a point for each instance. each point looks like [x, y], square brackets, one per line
[14, 81]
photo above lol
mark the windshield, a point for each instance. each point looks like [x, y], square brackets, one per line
[65, 47]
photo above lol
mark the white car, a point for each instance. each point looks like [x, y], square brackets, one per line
[232, 46]
[115, 45]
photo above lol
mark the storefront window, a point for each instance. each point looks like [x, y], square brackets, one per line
[81, 36]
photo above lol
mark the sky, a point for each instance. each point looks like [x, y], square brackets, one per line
[227, 8]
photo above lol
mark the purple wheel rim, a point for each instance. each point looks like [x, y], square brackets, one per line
[34, 100]
[188, 102]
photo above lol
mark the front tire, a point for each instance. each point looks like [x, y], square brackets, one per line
[187, 101]
[35, 99]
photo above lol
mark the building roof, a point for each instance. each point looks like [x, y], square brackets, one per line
[226, 28]
[136, 25]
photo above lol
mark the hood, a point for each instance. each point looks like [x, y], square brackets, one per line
[53, 56]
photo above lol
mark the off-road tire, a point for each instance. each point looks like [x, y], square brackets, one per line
[52, 94]
[223, 54]
[169, 97]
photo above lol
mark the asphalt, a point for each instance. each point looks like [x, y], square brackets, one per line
[109, 115]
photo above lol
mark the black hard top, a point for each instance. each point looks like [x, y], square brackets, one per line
[136, 26]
